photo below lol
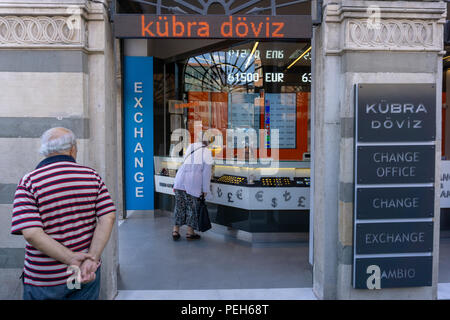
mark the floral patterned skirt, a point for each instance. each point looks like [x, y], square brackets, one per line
[185, 212]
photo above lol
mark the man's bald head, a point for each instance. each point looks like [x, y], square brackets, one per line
[58, 141]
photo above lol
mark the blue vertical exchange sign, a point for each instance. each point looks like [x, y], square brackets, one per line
[138, 128]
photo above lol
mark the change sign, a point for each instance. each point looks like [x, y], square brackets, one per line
[394, 203]
[399, 112]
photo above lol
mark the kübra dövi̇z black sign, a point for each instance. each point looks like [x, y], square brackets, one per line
[396, 112]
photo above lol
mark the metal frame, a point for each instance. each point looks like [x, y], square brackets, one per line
[248, 8]
[202, 6]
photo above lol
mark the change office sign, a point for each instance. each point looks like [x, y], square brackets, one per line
[395, 164]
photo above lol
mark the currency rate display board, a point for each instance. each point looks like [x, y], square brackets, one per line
[281, 114]
[394, 189]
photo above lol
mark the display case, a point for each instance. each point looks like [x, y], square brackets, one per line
[165, 170]
[284, 186]
[279, 174]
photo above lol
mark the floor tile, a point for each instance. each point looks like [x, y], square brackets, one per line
[150, 259]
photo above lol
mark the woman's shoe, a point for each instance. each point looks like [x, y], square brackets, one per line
[193, 236]
[175, 235]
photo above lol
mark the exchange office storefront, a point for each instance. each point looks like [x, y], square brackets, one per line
[244, 83]
[276, 111]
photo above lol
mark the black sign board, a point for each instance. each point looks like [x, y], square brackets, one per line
[397, 237]
[394, 203]
[393, 272]
[396, 112]
[395, 157]
[395, 164]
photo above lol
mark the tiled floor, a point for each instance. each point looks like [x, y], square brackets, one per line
[444, 260]
[221, 294]
[153, 266]
[150, 260]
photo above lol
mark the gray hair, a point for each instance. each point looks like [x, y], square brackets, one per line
[56, 140]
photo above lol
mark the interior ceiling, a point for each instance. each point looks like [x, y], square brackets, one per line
[285, 7]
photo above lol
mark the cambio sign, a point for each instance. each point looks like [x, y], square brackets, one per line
[138, 131]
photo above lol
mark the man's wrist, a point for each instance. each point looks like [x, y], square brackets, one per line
[96, 257]
[69, 257]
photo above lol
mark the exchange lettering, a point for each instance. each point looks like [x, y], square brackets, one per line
[393, 238]
[138, 134]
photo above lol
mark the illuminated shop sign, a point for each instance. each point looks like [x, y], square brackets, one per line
[394, 191]
[212, 26]
[138, 132]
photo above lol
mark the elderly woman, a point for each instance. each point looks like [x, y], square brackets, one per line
[192, 182]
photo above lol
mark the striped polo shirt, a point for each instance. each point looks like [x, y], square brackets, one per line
[64, 198]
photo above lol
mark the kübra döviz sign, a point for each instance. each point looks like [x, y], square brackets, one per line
[396, 112]
[212, 26]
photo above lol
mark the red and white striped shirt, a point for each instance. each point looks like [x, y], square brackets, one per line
[65, 199]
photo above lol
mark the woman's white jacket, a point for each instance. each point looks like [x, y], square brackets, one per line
[194, 175]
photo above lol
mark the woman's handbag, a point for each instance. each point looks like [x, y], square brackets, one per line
[204, 224]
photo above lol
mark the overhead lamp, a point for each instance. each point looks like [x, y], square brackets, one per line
[251, 54]
[301, 56]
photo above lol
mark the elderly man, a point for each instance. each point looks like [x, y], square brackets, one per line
[66, 215]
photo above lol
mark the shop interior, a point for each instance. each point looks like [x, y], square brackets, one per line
[204, 95]
[233, 92]
[445, 217]
[252, 99]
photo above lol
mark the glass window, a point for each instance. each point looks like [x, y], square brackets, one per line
[252, 98]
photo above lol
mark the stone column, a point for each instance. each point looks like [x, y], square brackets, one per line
[446, 104]
[56, 69]
[409, 49]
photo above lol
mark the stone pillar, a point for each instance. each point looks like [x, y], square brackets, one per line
[446, 104]
[408, 50]
[56, 69]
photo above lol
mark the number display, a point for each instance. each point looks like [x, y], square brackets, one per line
[306, 77]
[242, 77]
[243, 53]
